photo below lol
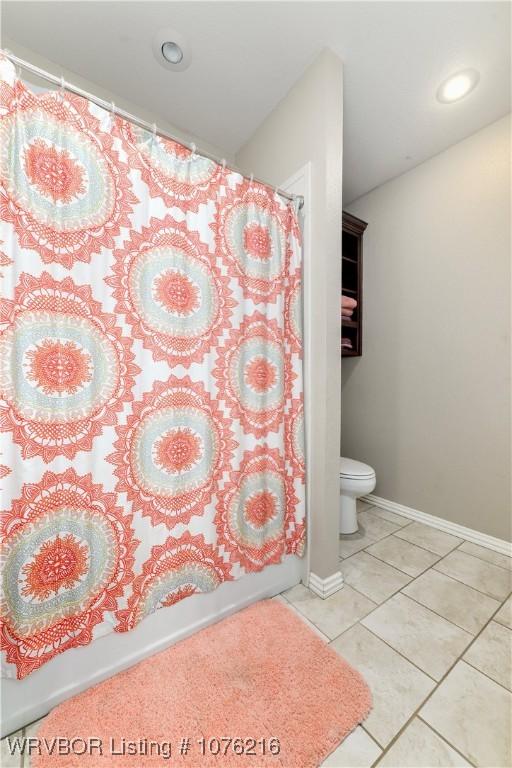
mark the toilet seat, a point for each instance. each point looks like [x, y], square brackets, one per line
[355, 470]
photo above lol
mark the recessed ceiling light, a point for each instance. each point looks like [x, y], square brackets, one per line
[172, 52]
[457, 86]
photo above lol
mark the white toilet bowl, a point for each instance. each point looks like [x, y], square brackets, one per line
[356, 479]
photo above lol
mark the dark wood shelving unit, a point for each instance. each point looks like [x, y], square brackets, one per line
[352, 281]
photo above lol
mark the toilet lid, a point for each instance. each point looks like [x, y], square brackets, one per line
[353, 468]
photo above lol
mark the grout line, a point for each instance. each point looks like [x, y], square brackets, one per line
[440, 558]
[412, 663]
[482, 559]
[437, 683]
[440, 615]
[386, 536]
[383, 519]
[401, 573]
[412, 575]
[310, 621]
[412, 579]
[373, 738]
[421, 546]
[494, 597]
[443, 738]
[508, 690]
[437, 686]
[377, 605]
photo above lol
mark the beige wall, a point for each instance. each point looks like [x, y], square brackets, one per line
[428, 404]
[103, 93]
[307, 126]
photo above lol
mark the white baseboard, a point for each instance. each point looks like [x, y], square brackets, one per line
[476, 537]
[325, 587]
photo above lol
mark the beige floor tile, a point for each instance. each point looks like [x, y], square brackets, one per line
[10, 756]
[335, 614]
[473, 713]
[354, 542]
[301, 616]
[486, 554]
[397, 687]
[485, 577]
[374, 525]
[419, 747]
[460, 604]
[430, 642]
[358, 750]
[491, 653]
[504, 615]
[31, 730]
[429, 538]
[362, 504]
[391, 517]
[403, 555]
[372, 577]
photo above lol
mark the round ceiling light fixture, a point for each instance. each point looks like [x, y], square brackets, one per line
[172, 52]
[457, 86]
[170, 49]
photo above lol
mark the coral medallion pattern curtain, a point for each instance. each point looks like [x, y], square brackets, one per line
[151, 411]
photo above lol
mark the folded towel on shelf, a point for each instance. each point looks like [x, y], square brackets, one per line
[346, 344]
[347, 312]
[348, 303]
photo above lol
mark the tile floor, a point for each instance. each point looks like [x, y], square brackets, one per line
[427, 619]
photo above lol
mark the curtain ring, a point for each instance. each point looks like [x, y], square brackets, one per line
[251, 180]
[193, 148]
[62, 87]
[153, 133]
[224, 164]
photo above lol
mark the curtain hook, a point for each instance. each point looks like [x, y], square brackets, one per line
[193, 148]
[62, 87]
[224, 164]
[251, 180]
[153, 133]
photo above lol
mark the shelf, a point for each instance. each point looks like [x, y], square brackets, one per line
[352, 281]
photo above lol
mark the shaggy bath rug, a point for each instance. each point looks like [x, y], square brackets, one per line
[257, 689]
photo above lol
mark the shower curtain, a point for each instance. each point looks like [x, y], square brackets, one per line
[151, 408]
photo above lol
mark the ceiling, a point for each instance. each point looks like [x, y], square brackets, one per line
[247, 55]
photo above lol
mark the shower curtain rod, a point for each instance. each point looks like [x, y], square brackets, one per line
[110, 106]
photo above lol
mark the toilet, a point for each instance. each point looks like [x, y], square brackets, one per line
[356, 480]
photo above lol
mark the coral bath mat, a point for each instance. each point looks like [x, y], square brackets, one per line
[257, 689]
